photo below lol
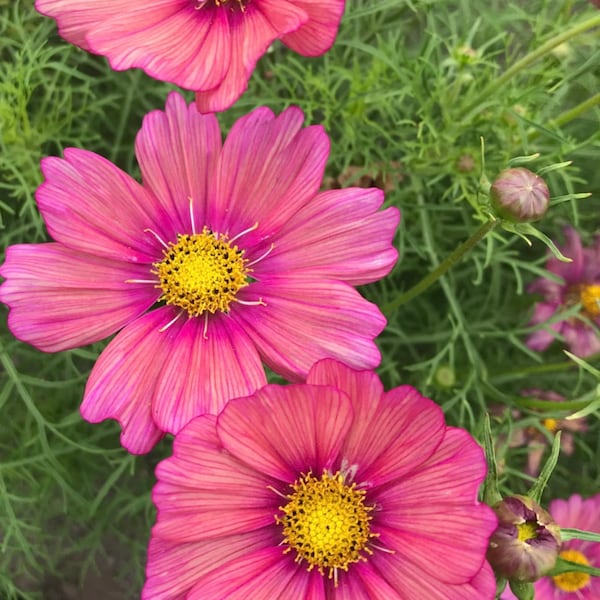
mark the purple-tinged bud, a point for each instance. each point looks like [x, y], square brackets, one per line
[519, 195]
[525, 545]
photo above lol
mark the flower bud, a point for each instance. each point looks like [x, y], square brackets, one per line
[525, 545]
[519, 195]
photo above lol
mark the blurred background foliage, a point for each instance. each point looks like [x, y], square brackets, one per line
[407, 93]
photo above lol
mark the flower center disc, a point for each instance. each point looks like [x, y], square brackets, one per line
[201, 272]
[326, 522]
[590, 299]
[572, 581]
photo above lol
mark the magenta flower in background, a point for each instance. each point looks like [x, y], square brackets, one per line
[578, 514]
[248, 261]
[581, 284]
[330, 489]
[209, 46]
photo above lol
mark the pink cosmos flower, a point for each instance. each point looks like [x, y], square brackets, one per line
[247, 259]
[209, 46]
[581, 285]
[330, 489]
[578, 514]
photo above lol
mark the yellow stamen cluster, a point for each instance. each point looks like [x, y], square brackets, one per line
[527, 531]
[572, 581]
[326, 522]
[201, 273]
[590, 299]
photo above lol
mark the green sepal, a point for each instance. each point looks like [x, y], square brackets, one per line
[522, 590]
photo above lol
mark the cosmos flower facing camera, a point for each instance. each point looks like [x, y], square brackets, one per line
[209, 46]
[330, 489]
[226, 256]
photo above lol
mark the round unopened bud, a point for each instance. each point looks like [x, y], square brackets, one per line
[519, 195]
[525, 545]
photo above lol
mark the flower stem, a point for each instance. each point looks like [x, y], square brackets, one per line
[444, 266]
[569, 115]
[532, 57]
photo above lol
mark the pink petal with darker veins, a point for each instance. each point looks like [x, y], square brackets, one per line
[251, 33]
[270, 168]
[393, 433]
[62, 298]
[171, 42]
[302, 429]
[308, 318]
[318, 34]
[178, 152]
[75, 19]
[173, 569]
[204, 493]
[90, 205]
[434, 512]
[200, 372]
[123, 382]
[264, 573]
[341, 235]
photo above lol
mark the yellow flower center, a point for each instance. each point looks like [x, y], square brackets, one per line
[326, 522]
[201, 272]
[590, 299]
[527, 531]
[550, 424]
[572, 581]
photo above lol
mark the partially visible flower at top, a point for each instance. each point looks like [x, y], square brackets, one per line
[525, 545]
[535, 439]
[581, 285]
[248, 261]
[330, 489]
[520, 195]
[208, 46]
[578, 514]
[596, 3]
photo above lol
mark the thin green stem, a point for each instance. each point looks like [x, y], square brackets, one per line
[444, 266]
[569, 115]
[532, 57]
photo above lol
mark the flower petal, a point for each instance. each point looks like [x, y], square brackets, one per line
[174, 568]
[570, 272]
[539, 340]
[74, 20]
[270, 168]
[62, 298]
[302, 428]
[393, 433]
[434, 512]
[170, 41]
[178, 151]
[124, 379]
[318, 34]
[204, 492]
[341, 235]
[306, 319]
[251, 33]
[202, 370]
[79, 199]
[581, 339]
[264, 573]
